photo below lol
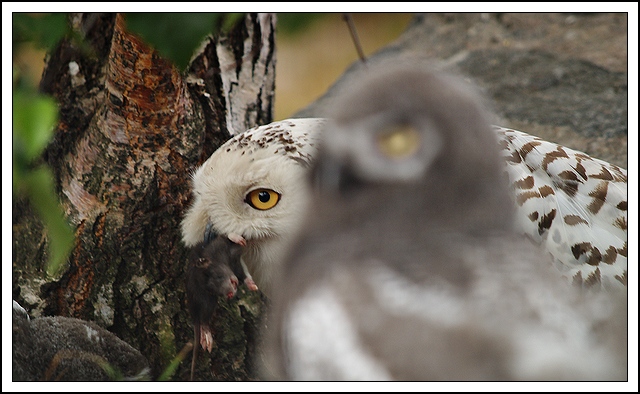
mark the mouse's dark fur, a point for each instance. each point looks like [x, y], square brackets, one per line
[213, 271]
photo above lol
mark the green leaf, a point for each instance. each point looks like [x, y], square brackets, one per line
[230, 20]
[291, 23]
[174, 35]
[45, 30]
[38, 185]
[170, 370]
[34, 118]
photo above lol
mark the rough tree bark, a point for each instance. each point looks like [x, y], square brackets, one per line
[132, 128]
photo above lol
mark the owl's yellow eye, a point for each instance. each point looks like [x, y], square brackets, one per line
[399, 142]
[262, 199]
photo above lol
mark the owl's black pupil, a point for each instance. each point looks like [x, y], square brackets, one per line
[264, 196]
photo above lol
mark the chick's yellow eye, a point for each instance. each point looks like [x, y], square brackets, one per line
[262, 199]
[399, 142]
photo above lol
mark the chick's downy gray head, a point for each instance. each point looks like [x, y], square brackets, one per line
[422, 140]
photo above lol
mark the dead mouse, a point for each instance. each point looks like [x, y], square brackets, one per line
[209, 276]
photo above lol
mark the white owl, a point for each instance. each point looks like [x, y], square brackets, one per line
[408, 266]
[575, 205]
[252, 189]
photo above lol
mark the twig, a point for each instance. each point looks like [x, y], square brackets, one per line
[354, 36]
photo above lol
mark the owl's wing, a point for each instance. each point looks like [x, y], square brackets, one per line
[572, 204]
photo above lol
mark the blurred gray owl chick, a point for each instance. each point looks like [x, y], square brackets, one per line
[408, 267]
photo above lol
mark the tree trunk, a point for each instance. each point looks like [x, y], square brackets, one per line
[132, 129]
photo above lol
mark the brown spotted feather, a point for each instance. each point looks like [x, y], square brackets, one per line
[573, 204]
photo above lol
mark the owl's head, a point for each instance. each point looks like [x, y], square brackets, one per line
[254, 185]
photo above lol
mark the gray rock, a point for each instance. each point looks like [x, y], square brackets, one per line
[561, 77]
[68, 349]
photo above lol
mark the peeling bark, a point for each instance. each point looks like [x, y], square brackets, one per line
[132, 128]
